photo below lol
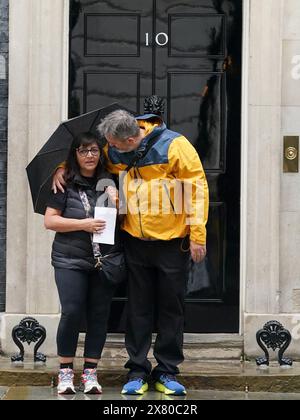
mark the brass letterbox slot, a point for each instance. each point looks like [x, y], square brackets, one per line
[291, 154]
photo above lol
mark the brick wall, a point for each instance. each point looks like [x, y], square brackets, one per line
[3, 142]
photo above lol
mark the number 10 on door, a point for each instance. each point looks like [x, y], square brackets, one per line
[161, 39]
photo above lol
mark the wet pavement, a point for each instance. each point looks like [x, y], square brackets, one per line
[199, 376]
[2, 392]
[116, 366]
[113, 394]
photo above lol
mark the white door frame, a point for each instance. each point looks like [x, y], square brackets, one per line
[244, 160]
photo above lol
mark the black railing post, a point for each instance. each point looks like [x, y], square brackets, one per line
[273, 336]
[30, 331]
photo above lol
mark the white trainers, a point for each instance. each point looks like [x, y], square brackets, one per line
[89, 382]
[65, 382]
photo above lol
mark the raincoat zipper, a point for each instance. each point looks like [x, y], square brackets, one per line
[167, 191]
[138, 202]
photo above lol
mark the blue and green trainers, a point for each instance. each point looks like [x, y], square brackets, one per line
[168, 385]
[135, 386]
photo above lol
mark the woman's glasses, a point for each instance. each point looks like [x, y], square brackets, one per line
[85, 152]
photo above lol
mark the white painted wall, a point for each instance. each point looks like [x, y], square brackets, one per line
[290, 183]
[35, 110]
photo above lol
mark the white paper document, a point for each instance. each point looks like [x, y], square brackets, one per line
[109, 215]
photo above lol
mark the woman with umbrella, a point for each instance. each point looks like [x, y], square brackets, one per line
[83, 292]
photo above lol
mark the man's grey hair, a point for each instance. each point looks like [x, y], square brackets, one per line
[120, 124]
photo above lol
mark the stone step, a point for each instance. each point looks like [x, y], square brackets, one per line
[208, 375]
[196, 347]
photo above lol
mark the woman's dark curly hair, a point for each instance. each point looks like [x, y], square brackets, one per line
[72, 166]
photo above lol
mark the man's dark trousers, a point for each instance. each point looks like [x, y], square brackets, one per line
[157, 282]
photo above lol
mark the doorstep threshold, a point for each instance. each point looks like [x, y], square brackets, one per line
[204, 339]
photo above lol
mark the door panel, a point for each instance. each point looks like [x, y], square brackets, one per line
[102, 88]
[108, 61]
[196, 35]
[186, 112]
[189, 53]
[112, 35]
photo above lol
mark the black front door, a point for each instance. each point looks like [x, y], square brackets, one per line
[190, 54]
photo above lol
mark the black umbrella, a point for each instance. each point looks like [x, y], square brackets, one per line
[56, 150]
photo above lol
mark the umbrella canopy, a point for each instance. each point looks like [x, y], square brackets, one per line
[56, 150]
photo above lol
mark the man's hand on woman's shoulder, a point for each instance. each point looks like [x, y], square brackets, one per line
[59, 182]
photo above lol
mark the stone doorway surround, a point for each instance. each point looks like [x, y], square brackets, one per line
[38, 93]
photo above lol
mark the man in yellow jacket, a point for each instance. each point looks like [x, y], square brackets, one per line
[167, 200]
[166, 210]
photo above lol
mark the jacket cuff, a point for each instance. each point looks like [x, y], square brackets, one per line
[198, 236]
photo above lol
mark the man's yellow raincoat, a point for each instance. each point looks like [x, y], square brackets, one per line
[166, 192]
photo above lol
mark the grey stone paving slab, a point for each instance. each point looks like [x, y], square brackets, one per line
[46, 393]
[2, 391]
